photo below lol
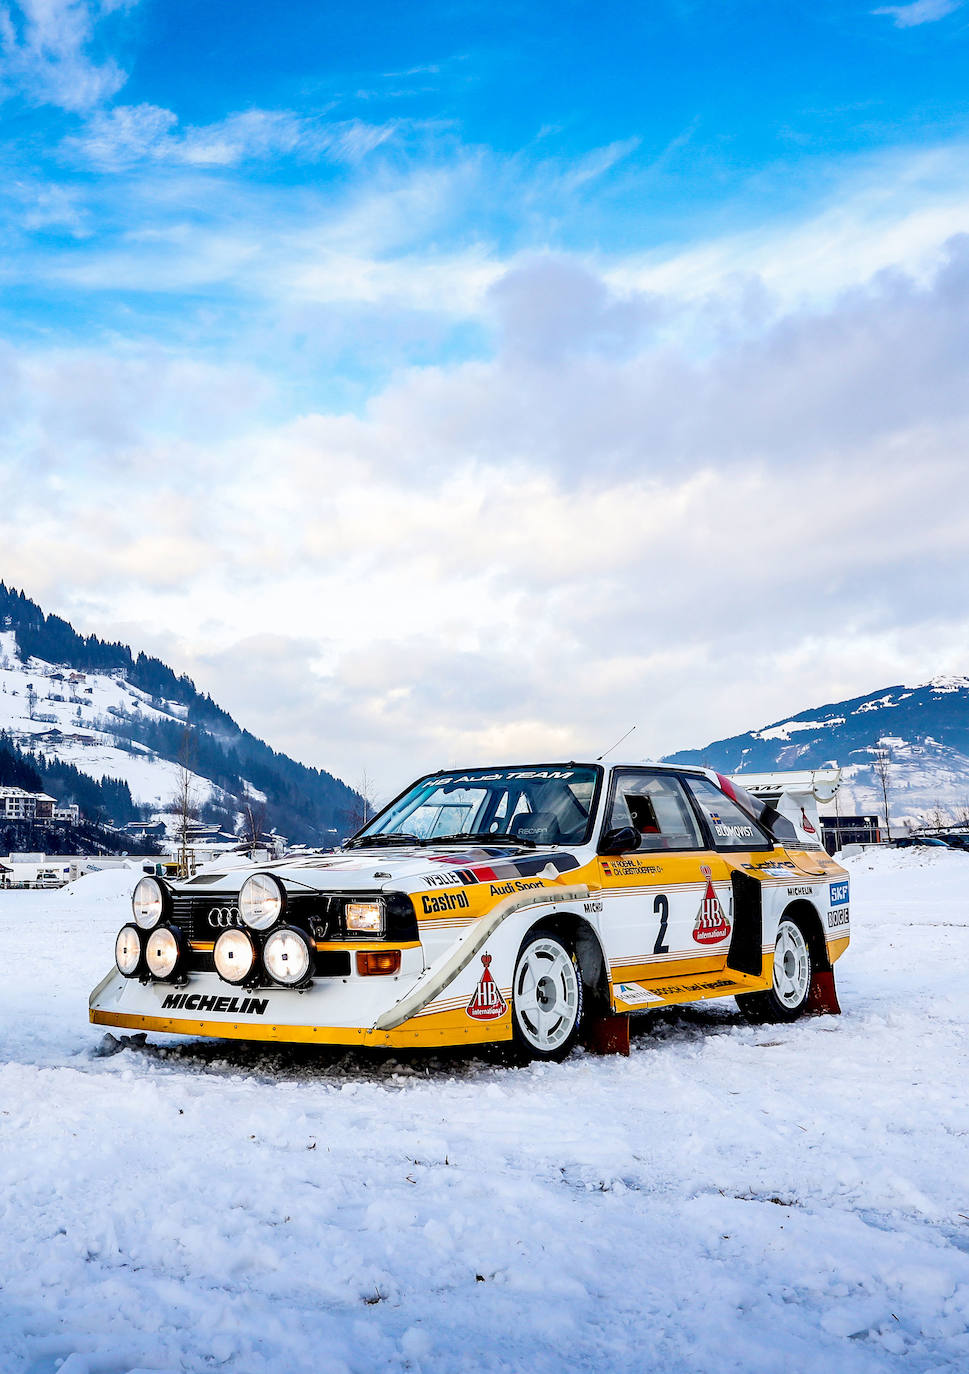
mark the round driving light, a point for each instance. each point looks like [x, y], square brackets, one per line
[288, 956]
[234, 955]
[262, 900]
[162, 952]
[127, 951]
[148, 903]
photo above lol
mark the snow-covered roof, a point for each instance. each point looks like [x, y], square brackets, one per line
[22, 792]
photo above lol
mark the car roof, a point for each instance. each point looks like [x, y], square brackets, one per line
[535, 764]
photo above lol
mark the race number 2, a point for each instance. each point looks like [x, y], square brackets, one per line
[661, 908]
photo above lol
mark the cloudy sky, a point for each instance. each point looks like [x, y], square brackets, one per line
[473, 379]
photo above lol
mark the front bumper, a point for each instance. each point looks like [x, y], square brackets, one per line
[333, 1011]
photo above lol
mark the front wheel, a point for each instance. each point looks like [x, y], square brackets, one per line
[791, 987]
[546, 1003]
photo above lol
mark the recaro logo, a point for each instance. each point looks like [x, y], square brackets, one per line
[224, 916]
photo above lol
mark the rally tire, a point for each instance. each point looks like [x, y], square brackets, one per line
[790, 991]
[546, 998]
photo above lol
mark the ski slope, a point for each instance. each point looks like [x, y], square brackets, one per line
[728, 1198]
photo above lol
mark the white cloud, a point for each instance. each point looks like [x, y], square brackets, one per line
[919, 12]
[395, 241]
[44, 52]
[672, 491]
[130, 134]
[892, 210]
[599, 161]
[527, 554]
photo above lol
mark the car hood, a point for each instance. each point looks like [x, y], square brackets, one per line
[412, 869]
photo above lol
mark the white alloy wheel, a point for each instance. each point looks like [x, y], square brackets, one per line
[792, 966]
[546, 997]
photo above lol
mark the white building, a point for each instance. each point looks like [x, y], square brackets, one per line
[18, 805]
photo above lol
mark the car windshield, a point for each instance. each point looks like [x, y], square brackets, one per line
[539, 805]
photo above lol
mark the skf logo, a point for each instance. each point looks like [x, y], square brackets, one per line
[838, 894]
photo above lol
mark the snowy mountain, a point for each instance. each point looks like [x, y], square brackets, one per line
[70, 702]
[924, 729]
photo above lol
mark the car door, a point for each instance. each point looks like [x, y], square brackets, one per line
[667, 903]
[749, 853]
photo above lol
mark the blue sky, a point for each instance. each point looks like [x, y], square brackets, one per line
[326, 330]
[607, 128]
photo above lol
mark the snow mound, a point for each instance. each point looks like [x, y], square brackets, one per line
[888, 859]
[102, 885]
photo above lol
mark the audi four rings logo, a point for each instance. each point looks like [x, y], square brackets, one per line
[224, 916]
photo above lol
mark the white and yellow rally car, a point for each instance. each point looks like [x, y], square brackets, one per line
[531, 904]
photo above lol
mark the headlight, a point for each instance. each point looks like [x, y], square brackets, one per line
[262, 900]
[148, 903]
[234, 955]
[127, 951]
[163, 952]
[288, 956]
[367, 917]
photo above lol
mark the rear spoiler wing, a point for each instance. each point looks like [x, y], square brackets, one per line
[785, 804]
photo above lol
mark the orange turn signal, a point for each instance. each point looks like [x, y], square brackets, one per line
[371, 961]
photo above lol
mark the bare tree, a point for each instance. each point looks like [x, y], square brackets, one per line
[185, 801]
[253, 824]
[882, 769]
[31, 699]
[939, 819]
[362, 808]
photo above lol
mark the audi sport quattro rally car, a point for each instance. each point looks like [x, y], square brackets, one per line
[525, 903]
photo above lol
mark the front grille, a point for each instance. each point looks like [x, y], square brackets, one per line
[202, 916]
[190, 913]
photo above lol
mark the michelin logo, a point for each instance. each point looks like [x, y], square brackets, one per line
[194, 1001]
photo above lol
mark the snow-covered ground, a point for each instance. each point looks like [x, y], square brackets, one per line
[727, 1199]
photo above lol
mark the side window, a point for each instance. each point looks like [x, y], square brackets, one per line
[732, 827]
[655, 805]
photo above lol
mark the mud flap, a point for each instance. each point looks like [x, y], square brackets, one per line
[745, 954]
[607, 1035]
[823, 996]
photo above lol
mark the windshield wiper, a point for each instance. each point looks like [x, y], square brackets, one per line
[373, 841]
[484, 836]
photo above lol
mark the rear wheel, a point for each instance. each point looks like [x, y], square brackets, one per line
[791, 988]
[546, 1004]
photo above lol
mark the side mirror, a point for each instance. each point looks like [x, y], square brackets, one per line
[619, 841]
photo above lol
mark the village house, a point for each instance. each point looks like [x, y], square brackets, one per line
[18, 805]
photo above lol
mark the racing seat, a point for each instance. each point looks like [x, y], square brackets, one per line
[542, 827]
